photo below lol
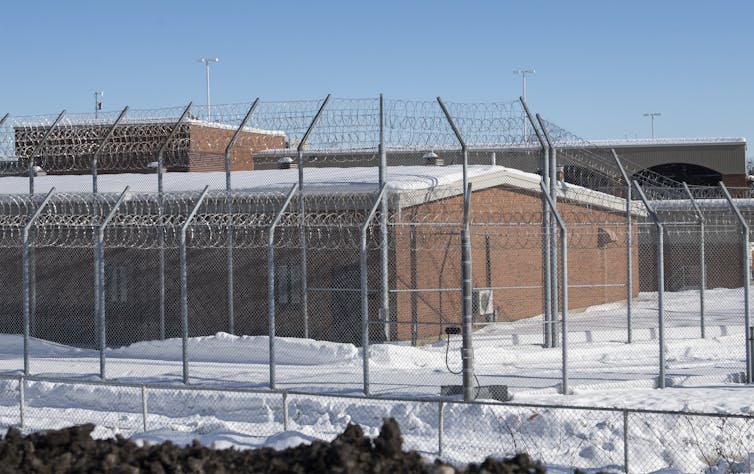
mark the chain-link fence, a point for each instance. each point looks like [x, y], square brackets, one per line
[362, 245]
[561, 437]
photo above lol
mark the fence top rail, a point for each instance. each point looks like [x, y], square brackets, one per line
[438, 399]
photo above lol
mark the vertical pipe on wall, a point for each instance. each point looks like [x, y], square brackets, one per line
[629, 250]
[546, 254]
[271, 282]
[26, 276]
[365, 290]
[702, 263]
[746, 264]
[160, 211]
[467, 348]
[184, 286]
[302, 212]
[660, 283]
[229, 210]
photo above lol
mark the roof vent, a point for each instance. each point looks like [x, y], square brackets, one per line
[286, 163]
[431, 159]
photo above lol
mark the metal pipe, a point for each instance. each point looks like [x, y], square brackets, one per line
[563, 286]
[702, 263]
[302, 211]
[552, 247]
[746, 263]
[38, 148]
[229, 206]
[660, 282]
[144, 412]
[546, 267]
[625, 441]
[184, 286]
[384, 242]
[161, 233]
[629, 250]
[365, 291]
[467, 349]
[101, 147]
[99, 271]
[440, 427]
[25, 276]
[271, 281]
[21, 401]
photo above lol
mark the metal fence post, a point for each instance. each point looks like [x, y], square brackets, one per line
[26, 276]
[144, 412]
[99, 272]
[553, 245]
[161, 233]
[271, 281]
[629, 250]
[365, 291]
[101, 147]
[21, 400]
[660, 282]
[563, 285]
[285, 411]
[467, 347]
[184, 286]
[746, 264]
[302, 211]
[384, 258]
[38, 148]
[229, 206]
[702, 263]
[546, 254]
[625, 441]
[440, 427]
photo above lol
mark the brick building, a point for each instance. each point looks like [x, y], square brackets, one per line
[196, 146]
[424, 257]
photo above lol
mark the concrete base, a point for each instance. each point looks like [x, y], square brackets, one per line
[484, 392]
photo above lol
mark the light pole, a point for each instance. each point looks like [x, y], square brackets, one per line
[206, 62]
[523, 73]
[652, 116]
[97, 103]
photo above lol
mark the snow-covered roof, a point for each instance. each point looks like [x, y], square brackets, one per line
[407, 185]
[645, 142]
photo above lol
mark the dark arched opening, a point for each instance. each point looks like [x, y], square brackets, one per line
[682, 172]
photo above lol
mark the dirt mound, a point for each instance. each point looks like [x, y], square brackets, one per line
[73, 450]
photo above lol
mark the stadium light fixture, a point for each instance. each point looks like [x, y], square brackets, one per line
[523, 73]
[652, 116]
[97, 103]
[206, 62]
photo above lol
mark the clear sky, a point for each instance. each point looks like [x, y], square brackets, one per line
[600, 65]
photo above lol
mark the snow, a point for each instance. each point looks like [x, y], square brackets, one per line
[399, 178]
[325, 383]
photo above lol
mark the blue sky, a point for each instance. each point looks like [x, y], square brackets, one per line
[600, 64]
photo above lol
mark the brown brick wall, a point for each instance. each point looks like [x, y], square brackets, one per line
[515, 260]
[207, 148]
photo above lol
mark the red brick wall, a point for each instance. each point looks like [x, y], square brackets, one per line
[207, 148]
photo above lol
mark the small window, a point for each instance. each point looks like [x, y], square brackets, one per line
[116, 283]
[288, 284]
